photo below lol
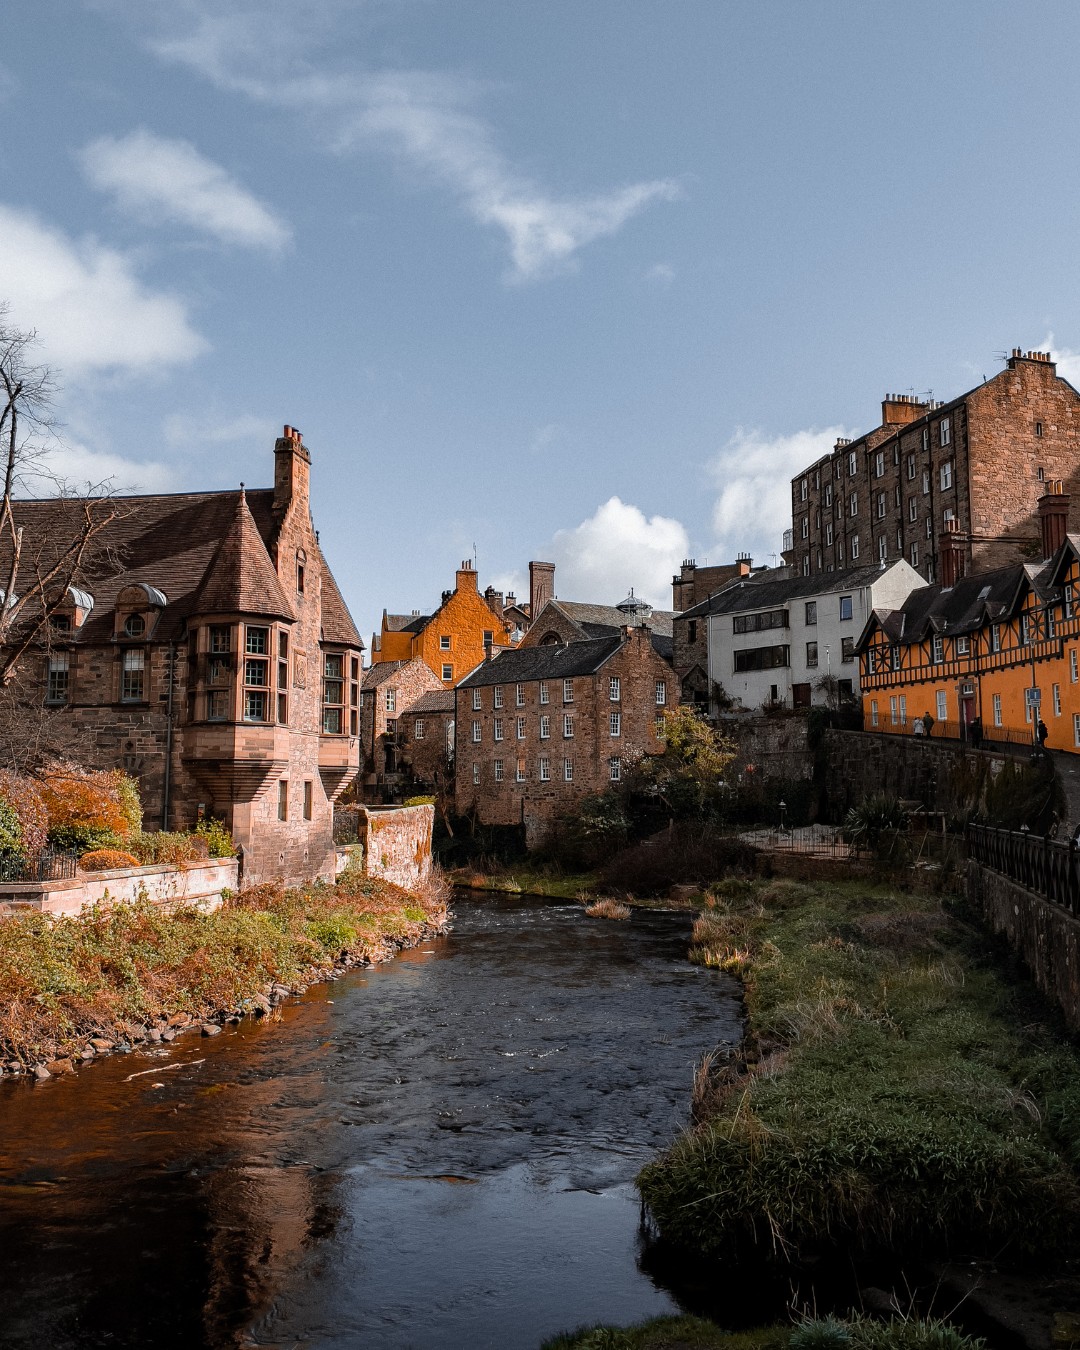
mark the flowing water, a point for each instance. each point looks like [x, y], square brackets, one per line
[438, 1152]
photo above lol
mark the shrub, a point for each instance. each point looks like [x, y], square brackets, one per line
[870, 824]
[89, 810]
[21, 795]
[168, 847]
[608, 909]
[104, 859]
[685, 854]
[218, 839]
[11, 841]
[419, 801]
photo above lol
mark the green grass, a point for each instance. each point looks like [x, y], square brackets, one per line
[526, 881]
[825, 1333]
[890, 1092]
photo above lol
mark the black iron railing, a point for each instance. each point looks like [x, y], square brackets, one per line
[346, 827]
[1049, 868]
[1011, 740]
[52, 865]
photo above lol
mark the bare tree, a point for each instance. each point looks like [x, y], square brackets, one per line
[35, 573]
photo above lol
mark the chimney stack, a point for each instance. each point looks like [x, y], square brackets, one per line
[292, 472]
[1053, 517]
[466, 577]
[951, 554]
[541, 586]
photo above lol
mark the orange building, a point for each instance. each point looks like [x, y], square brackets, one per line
[987, 656]
[453, 640]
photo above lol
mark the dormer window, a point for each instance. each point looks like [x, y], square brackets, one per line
[134, 626]
[138, 608]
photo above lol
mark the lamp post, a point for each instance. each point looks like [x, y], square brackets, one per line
[783, 808]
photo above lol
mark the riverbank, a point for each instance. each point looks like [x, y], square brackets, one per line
[894, 1091]
[74, 988]
[822, 1333]
[526, 881]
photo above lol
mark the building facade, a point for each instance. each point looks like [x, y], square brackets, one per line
[975, 465]
[539, 728]
[206, 649]
[791, 642]
[389, 690]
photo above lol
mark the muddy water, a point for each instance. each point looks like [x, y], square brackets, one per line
[435, 1153]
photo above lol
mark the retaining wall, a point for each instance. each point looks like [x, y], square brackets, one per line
[1045, 936]
[197, 883]
[397, 842]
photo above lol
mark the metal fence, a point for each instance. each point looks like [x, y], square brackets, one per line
[346, 825]
[1010, 740]
[52, 865]
[1049, 868]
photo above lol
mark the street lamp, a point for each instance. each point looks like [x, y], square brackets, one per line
[783, 808]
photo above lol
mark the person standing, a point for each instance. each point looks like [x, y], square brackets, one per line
[1042, 731]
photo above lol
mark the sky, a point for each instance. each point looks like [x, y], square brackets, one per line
[585, 281]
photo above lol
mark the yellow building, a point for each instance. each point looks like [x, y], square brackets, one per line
[986, 657]
[453, 640]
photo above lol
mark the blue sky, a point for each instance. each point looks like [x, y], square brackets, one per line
[579, 281]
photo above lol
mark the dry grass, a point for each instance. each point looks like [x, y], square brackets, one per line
[608, 909]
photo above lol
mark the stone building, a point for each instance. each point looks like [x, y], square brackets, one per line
[389, 690]
[206, 649]
[425, 738]
[974, 466]
[693, 584]
[574, 621]
[455, 637]
[543, 726]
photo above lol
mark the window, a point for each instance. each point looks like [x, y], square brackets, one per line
[1032, 697]
[963, 646]
[937, 649]
[476, 775]
[805, 566]
[847, 650]
[997, 710]
[614, 689]
[898, 496]
[852, 464]
[134, 625]
[926, 438]
[853, 504]
[476, 700]
[900, 542]
[489, 637]
[761, 658]
[755, 623]
[568, 691]
[882, 548]
[1073, 674]
[660, 728]
[893, 718]
[545, 769]
[929, 527]
[828, 494]
[661, 693]
[219, 638]
[568, 770]
[519, 772]
[390, 700]
[498, 728]
[283, 678]
[926, 482]
[903, 709]
[283, 799]
[132, 680]
[881, 506]
[911, 466]
[498, 771]
[497, 697]
[854, 547]
[60, 623]
[1057, 700]
[802, 490]
[1025, 631]
[615, 724]
[894, 656]
[879, 464]
[444, 642]
[873, 712]
[614, 768]
[56, 678]
[1038, 429]
[354, 694]
[300, 581]
[519, 728]
[543, 691]
[946, 432]
[447, 671]
[476, 733]
[942, 705]
[995, 637]
[545, 726]
[308, 799]
[811, 653]
[568, 725]
[519, 696]
[896, 454]
[828, 533]
[217, 706]
[913, 509]
[334, 694]
[804, 531]
[418, 729]
[845, 607]
[946, 474]
[258, 641]
[914, 555]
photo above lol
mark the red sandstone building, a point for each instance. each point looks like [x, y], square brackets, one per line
[541, 727]
[974, 467]
[206, 649]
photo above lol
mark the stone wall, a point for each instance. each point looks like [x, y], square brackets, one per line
[194, 884]
[1045, 936]
[776, 747]
[397, 842]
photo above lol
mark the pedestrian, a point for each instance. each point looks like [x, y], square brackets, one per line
[1043, 731]
[975, 732]
[918, 729]
[928, 722]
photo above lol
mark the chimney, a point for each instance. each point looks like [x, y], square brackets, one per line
[1053, 517]
[466, 577]
[541, 585]
[951, 554]
[1038, 358]
[744, 563]
[899, 410]
[292, 473]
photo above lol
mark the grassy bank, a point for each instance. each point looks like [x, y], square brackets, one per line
[893, 1091]
[525, 881]
[122, 974]
[824, 1333]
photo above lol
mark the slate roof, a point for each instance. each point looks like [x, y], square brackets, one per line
[406, 623]
[606, 617]
[168, 541]
[380, 672]
[520, 664]
[434, 701]
[751, 594]
[241, 578]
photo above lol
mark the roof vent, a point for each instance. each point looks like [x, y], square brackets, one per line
[634, 607]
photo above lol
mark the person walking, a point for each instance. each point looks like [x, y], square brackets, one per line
[1042, 731]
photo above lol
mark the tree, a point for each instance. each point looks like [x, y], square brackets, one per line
[688, 775]
[35, 573]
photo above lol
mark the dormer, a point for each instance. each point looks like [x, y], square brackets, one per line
[138, 609]
[69, 611]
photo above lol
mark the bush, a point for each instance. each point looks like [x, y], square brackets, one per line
[89, 810]
[21, 796]
[218, 839]
[419, 801]
[168, 847]
[685, 854]
[104, 859]
[11, 842]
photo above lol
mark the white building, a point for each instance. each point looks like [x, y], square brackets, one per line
[787, 641]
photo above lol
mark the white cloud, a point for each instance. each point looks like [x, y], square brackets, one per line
[616, 548]
[661, 274]
[425, 120]
[161, 180]
[76, 467]
[89, 307]
[181, 429]
[753, 476]
[1068, 361]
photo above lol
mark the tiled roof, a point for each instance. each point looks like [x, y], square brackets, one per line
[751, 594]
[520, 664]
[406, 623]
[337, 622]
[241, 579]
[609, 616]
[434, 701]
[380, 673]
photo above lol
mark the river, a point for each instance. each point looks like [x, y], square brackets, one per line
[437, 1152]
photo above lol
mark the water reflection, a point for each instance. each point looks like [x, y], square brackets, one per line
[438, 1152]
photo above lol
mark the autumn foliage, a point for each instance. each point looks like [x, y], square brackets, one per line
[88, 809]
[104, 859]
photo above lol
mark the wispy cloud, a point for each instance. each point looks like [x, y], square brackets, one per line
[159, 181]
[752, 475]
[617, 547]
[78, 467]
[181, 429]
[90, 308]
[1068, 361]
[425, 121]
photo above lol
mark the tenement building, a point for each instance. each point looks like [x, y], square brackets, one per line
[203, 646]
[975, 466]
[389, 691]
[541, 727]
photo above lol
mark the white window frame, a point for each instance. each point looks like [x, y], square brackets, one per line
[545, 769]
[476, 701]
[945, 431]
[946, 475]
[519, 728]
[545, 726]
[497, 696]
[519, 696]
[568, 691]
[568, 726]
[568, 770]
[497, 728]
[942, 706]
[543, 691]
[615, 724]
[614, 769]
[614, 689]
[996, 705]
[498, 770]
[477, 732]
[661, 693]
